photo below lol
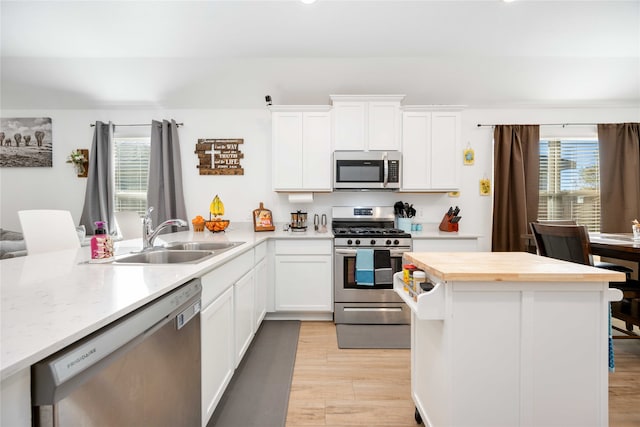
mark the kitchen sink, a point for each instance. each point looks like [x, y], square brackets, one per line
[164, 256]
[202, 246]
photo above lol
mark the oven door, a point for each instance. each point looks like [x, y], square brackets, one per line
[346, 288]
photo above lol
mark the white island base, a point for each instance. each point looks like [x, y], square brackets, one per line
[509, 339]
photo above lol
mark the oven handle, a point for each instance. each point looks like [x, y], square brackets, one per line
[353, 251]
[394, 309]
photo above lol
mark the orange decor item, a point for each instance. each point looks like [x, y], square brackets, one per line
[198, 223]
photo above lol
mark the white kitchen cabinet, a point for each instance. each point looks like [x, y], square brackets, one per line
[218, 329]
[431, 154]
[243, 302]
[15, 395]
[303, 275]
[260, 305]
[301, 138]
[217, 349]
[366, 122]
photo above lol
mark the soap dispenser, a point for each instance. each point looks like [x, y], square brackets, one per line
[101, 244]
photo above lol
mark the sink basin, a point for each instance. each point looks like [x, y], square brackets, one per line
[202, 246]
[165, 257]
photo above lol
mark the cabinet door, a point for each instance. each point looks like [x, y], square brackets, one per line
[260, 277]
[316, 151]
[303, 282]
[416, 150]
[431, 151]
[287, 150]
[244, 295]
[350, 125]
[384, 125]
[217, 349]
[445, 149]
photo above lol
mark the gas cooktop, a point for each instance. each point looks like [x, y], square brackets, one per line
[369, 232]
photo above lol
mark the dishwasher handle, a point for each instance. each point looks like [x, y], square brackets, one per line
[58, 375]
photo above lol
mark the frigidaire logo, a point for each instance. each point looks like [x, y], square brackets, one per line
[81, 358]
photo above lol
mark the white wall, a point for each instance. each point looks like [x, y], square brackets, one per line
[59, 188]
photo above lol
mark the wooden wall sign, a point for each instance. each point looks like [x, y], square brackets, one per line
[224, 161]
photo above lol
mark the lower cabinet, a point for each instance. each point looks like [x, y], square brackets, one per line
[303, 275]
[244, 295]
[218, 356]
[261, 286]
[227, 326]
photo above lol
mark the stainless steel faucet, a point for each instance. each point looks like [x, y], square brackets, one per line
[149, 234]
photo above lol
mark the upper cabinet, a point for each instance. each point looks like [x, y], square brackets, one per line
[366, 122]
[431, 154]
[301, 148]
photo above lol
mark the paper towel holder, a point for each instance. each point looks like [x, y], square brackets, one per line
[300, 197]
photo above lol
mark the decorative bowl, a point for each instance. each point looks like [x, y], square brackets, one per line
[217, 225]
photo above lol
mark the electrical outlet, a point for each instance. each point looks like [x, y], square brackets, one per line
[420, 213]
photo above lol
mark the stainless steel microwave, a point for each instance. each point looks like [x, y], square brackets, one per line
[366, 170]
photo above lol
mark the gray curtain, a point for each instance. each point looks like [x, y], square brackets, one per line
[516, 162]
[619, 176]
[98, 197]
[165, 174]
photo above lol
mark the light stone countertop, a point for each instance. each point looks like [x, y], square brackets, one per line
[51, 300]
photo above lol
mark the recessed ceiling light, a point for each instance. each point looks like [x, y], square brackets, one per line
[308, 1]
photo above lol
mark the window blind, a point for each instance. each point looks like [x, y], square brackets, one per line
[570, 182]
[131, 163]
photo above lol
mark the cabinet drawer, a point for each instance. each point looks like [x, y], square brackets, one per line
[216, 281]
[260, 252]
[303, 247]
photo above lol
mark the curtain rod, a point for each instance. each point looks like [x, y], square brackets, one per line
[549, 124]
[138, 124]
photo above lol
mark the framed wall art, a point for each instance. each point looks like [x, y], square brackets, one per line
[26, 142]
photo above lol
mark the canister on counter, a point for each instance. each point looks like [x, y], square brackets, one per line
[407, 271]
[419, 277]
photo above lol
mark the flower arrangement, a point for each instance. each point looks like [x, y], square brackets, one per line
[78, 160]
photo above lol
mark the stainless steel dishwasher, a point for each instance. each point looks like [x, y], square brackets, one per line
[143, 370]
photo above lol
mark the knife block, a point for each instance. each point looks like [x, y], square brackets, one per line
[446, 225]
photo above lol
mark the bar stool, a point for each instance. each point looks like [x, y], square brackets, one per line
[48, 230]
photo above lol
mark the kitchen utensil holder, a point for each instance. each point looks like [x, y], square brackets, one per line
[404, 224]
[446, 225]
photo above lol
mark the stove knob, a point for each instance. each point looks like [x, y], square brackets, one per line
[396, 242]
[357, 242]
[388, 242]
[349, 242]
[373, 242]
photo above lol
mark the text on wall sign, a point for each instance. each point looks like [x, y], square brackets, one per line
[224, 161]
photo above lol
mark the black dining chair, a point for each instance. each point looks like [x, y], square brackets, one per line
[571, 243]
[600, 264]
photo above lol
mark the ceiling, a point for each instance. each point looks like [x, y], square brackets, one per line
[230, 54]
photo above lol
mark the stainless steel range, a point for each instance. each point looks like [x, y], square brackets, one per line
[369, 315]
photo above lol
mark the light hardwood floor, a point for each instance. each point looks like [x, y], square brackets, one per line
[334, 387]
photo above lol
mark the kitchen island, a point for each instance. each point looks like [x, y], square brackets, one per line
[509, 339]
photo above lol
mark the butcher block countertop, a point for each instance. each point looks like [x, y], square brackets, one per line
[506, 266]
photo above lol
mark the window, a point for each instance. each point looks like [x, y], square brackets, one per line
[131, 164]
[570, 181]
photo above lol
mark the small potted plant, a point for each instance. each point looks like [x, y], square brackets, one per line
[78, 159]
